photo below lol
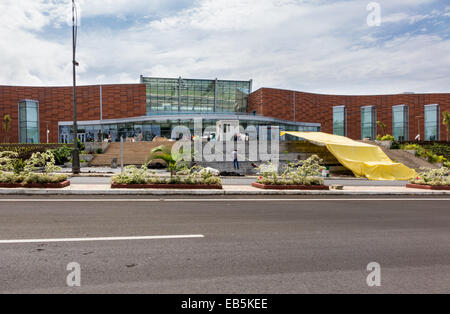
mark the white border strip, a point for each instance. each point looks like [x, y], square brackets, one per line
[25, 241]
[193, 200]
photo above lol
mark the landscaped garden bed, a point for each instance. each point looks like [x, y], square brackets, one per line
[15, 173]
[304, 175]
[167, 186]
[194, 178]
[60, 185]
[435, 154]
[436, 179]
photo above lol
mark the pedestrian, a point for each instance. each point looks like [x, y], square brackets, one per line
[235, 160]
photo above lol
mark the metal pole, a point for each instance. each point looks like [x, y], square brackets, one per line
[179, 93]
[76, 152]
[121, 153]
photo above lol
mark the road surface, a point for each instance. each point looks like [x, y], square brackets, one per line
[235, 245]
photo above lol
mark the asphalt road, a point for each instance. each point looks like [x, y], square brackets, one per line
[248, 246]
[249, 181]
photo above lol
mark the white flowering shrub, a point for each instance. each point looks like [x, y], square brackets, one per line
[133, 175]
[305, 173]
[194, 175]
[39, 161]
[7, 160]
[433, 177]
[44, 161]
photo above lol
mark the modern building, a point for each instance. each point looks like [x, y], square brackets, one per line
[157, 105]
[405, 115]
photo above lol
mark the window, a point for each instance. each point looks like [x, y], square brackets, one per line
[340, 121]
[368, 122]
[29, 122]
[165, 96]
[400, 122]
[432, 123]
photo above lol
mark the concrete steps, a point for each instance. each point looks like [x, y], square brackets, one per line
[134, 153]
[406, 158]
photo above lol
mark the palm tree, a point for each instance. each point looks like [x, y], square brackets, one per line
[382, 126]
[164, 153]
[6, 126]
[446, 122]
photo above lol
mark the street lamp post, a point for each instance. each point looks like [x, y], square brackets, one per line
[76, 152]
[419, 119]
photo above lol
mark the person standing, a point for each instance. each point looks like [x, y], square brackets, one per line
[235, 160]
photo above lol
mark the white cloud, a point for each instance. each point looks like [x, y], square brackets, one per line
[311, 45]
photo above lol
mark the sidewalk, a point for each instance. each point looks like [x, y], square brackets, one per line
[103, 189]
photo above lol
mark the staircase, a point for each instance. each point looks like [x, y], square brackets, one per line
[408, 159]
[133, 153]
[404, 157]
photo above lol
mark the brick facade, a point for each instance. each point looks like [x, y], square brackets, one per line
[127, 101]
[315, 108]
[56, 104]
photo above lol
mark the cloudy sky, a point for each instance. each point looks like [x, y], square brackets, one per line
[321, 46]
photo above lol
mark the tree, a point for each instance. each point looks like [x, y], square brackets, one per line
[446, 122]
[164, 153]
[6, 126]
[382, 126]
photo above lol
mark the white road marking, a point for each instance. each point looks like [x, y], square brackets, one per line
[171, 237]
[221, 200]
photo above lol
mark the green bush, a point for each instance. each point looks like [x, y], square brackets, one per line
[62, 155]
[425, 153]
[25, 151]
[395, 145]
[81, 146]
[99, 151]
[18, 165]
[440, 150]
[386, 137]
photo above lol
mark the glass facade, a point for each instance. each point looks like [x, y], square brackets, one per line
[340, 121]
[172, 102]
[432, 121]
[28, 122]
[400, 122]
[166, 96]
[368, 122]
[151, 129]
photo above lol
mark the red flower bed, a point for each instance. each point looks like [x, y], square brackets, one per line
[428, 187]
[167, 186]
[36, 185]
[290, 187]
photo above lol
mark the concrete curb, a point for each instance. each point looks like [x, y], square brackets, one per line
[214, 192]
